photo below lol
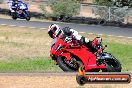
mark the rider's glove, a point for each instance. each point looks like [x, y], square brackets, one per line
[82, 41]
[100, 51]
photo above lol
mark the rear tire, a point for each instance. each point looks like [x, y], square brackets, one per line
[65, 67]
[62, 64]
[14, 15]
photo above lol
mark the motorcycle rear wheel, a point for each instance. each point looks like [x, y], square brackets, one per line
[65, 67]
[14, 15]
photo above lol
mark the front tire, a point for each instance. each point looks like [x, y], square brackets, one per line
[113, 65]
[28, 17]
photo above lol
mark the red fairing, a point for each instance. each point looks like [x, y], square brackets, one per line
[67, 55]
[87, 57]
[67, 49]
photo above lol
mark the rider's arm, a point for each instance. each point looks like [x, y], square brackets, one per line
[66, 31]
[71, 32]
[75, 34]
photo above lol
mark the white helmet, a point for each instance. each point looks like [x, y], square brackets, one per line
[54, 30]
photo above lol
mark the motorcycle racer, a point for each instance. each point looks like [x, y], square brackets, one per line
[54, 31]
[12, 3]
[15, 4]
[68, 53]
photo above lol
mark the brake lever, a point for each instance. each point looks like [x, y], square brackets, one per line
[104, 47]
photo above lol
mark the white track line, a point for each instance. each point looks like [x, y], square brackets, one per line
[110, 35]
[32, 27]
[3, 24]
[120, 36]
[79, 32]
[12, 25]
[100, 34]
[42, 28]
[22, 26]
[129, 37]
[90, 33]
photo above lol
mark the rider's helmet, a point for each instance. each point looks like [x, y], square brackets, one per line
[54, 30]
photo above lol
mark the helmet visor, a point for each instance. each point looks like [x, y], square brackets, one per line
[52, 33]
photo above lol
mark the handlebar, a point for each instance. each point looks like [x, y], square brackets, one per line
[100, 50]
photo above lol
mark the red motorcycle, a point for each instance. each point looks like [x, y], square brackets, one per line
[70, 55]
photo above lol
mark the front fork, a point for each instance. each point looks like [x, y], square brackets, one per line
[25, 13]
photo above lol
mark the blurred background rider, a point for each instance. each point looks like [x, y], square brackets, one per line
[12, 3]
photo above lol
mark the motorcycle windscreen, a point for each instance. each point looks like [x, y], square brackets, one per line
[53, 42]
[22, 6]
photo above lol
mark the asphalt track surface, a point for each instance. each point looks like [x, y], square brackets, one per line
[96, 29]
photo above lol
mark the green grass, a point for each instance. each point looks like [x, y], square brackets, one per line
[39, 64]
[123, 52]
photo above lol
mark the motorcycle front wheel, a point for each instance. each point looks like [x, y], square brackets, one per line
[62, 62]
[112, 64]
[28, 16]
